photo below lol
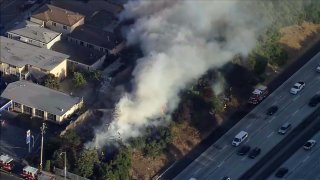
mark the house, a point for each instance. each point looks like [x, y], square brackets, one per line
[57, 19]
[80, 57]
[97, 39]
[34, 34]
[39, 101]
[90, 7]
[26, 61]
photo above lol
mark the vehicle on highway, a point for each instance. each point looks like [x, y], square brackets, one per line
[318, 68]
[297, 87]
[315, 100]
[258, 94]
[272, 110]
[226, 178]
[309, 144]
[281, 172]
[243, 150]
[254, 153]
[6, 163]
[284, 128]
[239, 138]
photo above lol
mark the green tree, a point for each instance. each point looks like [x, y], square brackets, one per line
[47, 166]
[58, 160]
[70, 139]
[86, 161]
[259, 63]
[119, 168]
[278, 55]
[79, 79]
[217, 104]
[95, 75]
[51, 81]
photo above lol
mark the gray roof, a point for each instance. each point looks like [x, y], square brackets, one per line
[96, 36]
[35, 32]
[39, 97]
[78, 53]
[20, 54]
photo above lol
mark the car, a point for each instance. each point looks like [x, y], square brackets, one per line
[318, 68]
[243, 150]
[314, 101]
[272, 110]
[284, 128]
[226, 178]
[309, 144]
[254, 153]
[281, 172]
[297, 87]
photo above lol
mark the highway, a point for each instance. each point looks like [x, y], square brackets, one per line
[303, 165]
[221, 160]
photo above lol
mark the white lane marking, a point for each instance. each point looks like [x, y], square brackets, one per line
[270, 134]
[225, 146]
[295, 112]
[249, 126]
[305, 159]
[242, 159]
[219, 165]
[295, 98]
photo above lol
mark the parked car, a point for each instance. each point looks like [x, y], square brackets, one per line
[272, 110]
[314, 101]
[318, 68]
[297, 87]
[254, 152]
[309, 144]
[281, 172]
[284, 128]
[243, 150]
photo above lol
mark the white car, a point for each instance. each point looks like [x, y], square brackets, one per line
[297, 87]
[309, 144]
[318, 68]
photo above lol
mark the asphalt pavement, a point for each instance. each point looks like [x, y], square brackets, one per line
[178, 166]
[6, 176]
[303, 164]
[216, 161]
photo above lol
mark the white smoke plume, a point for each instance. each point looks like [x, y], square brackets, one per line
[181, 40]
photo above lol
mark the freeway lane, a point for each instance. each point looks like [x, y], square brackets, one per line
[216, 161]
[303, 164]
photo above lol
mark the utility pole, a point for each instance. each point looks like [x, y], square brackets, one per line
[42, 133]
[65, 164]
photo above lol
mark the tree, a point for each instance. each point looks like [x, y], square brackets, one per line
[86, 161]
[58, 160]
[95, 75]
[70, 139]
[47, 166]
[278, 56]
[51, 81]
[78, 79]
[119, 168]
[218, 104]
[260, 63]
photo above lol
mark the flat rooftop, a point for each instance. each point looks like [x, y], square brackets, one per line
[40, 97]
[77, 53]
[20, 54]
[35, 32]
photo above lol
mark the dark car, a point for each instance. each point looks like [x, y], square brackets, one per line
[281, 172]
[243, 150]
[254, 152]
[272, 110]
[315, 100]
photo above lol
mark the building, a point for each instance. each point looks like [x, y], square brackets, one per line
[57, 19]
[39, 101]
[34, 34]
[80, 57]
[26, 61]
[97, 39]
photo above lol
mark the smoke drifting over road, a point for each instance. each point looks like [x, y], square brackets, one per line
[180, 40]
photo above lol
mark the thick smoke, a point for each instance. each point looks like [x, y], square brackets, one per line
[181, 40]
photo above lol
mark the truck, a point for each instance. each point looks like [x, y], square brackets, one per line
[29, 173]
[258, 94]
[6, 163]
